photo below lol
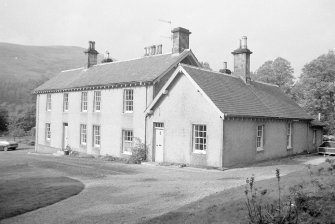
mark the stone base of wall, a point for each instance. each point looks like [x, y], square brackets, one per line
[198, 159]
[45, 149]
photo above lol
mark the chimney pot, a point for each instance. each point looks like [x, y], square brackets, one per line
[244, 42]
[225, 65]
[159, 49]
[153, 50]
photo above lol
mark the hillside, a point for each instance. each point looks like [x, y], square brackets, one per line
[23, 68]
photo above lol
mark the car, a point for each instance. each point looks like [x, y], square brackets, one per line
[6, 145]
[327, 147]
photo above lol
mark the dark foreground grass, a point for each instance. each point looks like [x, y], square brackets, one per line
[21, 195]
[230, 206]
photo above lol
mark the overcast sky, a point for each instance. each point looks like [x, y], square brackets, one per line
[298, 31]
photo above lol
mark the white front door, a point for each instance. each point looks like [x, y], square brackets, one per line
[65, 135]
[159, 144]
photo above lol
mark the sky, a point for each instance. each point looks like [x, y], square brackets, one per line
[297, 30]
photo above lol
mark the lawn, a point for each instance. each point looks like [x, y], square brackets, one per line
[315, 185]
[25, 194]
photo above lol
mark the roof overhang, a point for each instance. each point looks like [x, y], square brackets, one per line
[97, 87]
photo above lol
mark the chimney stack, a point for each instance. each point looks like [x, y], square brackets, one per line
[180, 38]
[242, 61]
[225, 69]
[92, 54]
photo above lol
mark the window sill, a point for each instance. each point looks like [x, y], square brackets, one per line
[127, 153]
[259, 149]
[203, 152]
[83, 145]
[128, 112]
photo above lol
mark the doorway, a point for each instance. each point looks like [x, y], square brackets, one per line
[65, 135]
[159, 142]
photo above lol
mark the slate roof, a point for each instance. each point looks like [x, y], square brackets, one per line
[143, 69]
[235, 98]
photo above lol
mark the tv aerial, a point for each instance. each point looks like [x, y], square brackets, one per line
[167, 22]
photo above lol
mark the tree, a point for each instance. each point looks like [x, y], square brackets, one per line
[14, 129]
[3, 119]
[26, 119]
[317, 86]
[278, 72]
[205, 65]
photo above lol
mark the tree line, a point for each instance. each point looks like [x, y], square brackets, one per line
[313, 90]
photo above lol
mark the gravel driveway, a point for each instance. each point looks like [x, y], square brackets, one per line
[121, 193]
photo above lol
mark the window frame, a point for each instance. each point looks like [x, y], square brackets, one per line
[83, 136]
[84, 101]
[127, 144]
[96, 137]
[289, 136]
[203, 140]
[128, 100]
[260, 146]
[65, 102]
[48, 102]
[48, 132]
[97, 101]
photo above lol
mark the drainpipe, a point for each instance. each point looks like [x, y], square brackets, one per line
[37, 121]
[145, 120]
[307, 133]
[221, 151]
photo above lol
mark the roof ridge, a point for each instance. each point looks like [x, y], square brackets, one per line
[206, 70]
[133, 59]
[73, 69]
[270, 84]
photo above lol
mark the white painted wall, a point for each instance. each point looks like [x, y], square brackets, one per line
[182, 107]
[111, 119]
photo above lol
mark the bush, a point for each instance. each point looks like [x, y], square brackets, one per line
[138, 152]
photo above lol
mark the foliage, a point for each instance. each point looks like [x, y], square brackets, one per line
[205, 65]
[23, 68]
[308, 202]
[26, 120]
[263, 213]
[139, 152]
[315, 89]
[3, 119]
[278, 72]
[15, 130]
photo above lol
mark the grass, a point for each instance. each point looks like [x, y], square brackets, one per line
[21, 195]
[316, 182]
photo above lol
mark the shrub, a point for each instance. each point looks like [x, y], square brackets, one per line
[138, 152]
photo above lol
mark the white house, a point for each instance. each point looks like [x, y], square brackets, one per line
[98, 109]
[183, 113]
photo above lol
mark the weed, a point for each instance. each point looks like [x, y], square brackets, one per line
[266, 213]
